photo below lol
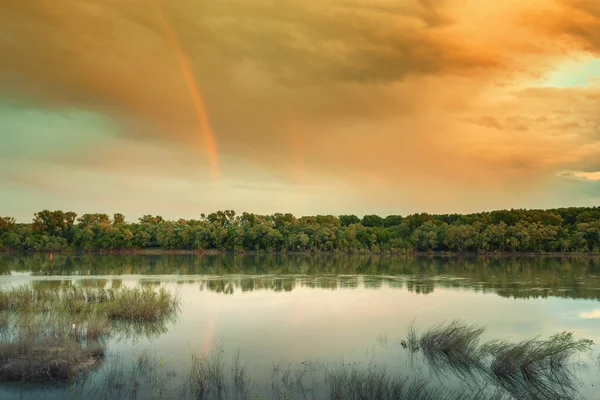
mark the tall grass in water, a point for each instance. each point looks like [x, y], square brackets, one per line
[41, 348]
[145, 304]
[46, 360]
[216, 376]
[412, 339]
[211, 377]
[530, 369]
[456, 340]
[537, 368]
[207, 373]
[377, 383]
[55, 333]
[53, 325]
[137, 304]
[297, 379]
[239, 372]
[454, 347]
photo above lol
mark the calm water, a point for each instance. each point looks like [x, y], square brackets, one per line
[329, 309]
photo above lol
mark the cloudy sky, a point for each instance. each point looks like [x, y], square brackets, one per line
[312, 107]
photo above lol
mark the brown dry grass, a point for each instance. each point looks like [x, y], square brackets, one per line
[46, 360]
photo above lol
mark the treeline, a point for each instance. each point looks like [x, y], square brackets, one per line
[556, 230]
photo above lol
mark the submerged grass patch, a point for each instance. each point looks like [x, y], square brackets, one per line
[208, 377]
[456, 342]
[543, 368]
[376, 382]
[533, 357]
[139, 304]
[46, 360]
[56, 325]
[56, 333]
[412, 339]
[530, 369]
[215, 375]
[48, 348]
[144, 304]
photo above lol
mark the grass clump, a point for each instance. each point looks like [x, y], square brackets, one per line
[533, 357]
[456, 342]
[537, 368]
[136, 304]
[41, 349]
[412, 339]
[57, 332]
[375, 382]
[207, 376]
[530, 369]
[208, 379]
[46, 360]
[140, 304]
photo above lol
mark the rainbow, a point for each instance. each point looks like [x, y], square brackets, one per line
[192, 84]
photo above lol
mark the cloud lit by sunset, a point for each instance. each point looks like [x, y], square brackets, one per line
[333, 106]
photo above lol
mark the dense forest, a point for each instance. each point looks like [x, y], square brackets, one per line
[555, 230]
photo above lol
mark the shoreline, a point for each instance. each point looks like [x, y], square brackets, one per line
[214, 252]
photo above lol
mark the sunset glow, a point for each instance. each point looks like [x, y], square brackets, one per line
[333, 107]
[190, 80]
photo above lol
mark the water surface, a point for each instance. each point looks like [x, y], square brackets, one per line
[278, 310]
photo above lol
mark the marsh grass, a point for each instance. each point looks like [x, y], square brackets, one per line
[530, 369]
[454, 348]
[58, 332]
[207, 373]
[239, 372]
[55, 325]
[145, 304]
[455, 340]
[296, 380]
[48, 359]
[144, 378]
[382, 340]
[375, 382]
[537, 368]
[216, 376]
[136, 304]
[412, 339]
[49, 347]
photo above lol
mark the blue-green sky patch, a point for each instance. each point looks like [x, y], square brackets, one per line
[574, 73]
[36, 133]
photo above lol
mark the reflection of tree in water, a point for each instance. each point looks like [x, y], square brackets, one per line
[288, 285]
[328, 282]
[93, 283]
[247, 284]
[512, 277]
[51, 284]
[149, 283]
[224, 286]
[348, 282]
[370, 283]
[420, 287]
[116, 283]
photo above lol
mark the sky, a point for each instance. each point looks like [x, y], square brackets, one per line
[184, 107]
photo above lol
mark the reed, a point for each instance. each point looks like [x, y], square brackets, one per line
[138, 304]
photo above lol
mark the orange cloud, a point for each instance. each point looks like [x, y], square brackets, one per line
[401, 98]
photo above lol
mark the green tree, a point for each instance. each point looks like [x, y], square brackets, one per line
[372, 221]
[346, 220]
[118, 219]
[7, 224]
